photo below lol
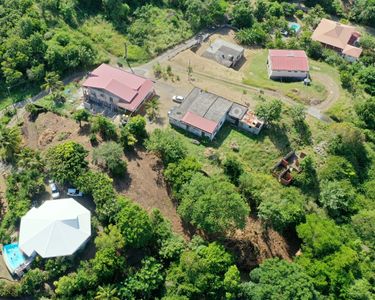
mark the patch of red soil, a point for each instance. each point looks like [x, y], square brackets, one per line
[255, 243]
[145, 185]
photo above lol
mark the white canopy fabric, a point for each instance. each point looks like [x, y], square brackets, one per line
[56, 228]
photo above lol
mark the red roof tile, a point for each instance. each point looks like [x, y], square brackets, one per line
[288, 60]
[130, 88]
[199, 122]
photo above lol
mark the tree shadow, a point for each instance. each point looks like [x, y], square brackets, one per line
[278, 136]
[304, 132]
[85, 129]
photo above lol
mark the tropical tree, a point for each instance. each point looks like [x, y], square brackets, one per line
[213, 205]
[104, 127]
[10, 140]
[53, 86]
[81, 115]
[107, 292]
[167, 145]
[269, 111]
[366, 112]
[279, 279]
[66, 161]
[152, 108]
[109, 156]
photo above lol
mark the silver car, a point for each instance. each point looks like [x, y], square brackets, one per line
[178, 99]
[74, 192]
[55, 192]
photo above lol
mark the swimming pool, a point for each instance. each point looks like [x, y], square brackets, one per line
[294, 26]
[13, 257]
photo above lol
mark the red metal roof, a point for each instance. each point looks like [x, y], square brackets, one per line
[288, 60]
[199, 122]
[130, 88]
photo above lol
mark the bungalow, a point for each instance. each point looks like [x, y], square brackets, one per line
[203, 114]
[339, 37]
[117, 89]
[287, 64]
[225, 53]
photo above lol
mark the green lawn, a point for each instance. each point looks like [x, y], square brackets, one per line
[66, 108]
[259, 153]
[256, 75]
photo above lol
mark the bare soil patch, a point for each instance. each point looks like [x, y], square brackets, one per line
[254, 244]
[145, 185]
[143, 182]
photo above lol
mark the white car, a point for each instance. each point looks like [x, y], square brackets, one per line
[54, 190]
[178, 99]
[74, 192]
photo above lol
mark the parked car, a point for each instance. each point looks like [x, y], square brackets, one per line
[55, 192]
[178, 99]
[74, 192]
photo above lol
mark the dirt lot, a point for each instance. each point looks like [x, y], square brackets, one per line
[143, 183]
[254, 244]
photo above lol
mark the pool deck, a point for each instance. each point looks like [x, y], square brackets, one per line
[4, 273]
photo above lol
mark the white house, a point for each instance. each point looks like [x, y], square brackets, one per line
[287, 64]
[56, 228]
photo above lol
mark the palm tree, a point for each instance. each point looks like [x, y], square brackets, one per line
[53, 85]
[10, 140]
[152, 108]
[108, 292]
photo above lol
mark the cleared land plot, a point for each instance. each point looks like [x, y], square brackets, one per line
[143, 182]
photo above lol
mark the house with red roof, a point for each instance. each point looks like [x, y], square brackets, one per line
[203, 114]
[287, 64]
[117, 89]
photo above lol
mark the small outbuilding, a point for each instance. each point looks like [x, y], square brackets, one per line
[287, 64]
[225, 53]
[56, 228]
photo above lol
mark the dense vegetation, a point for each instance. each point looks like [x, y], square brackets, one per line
[329, 209]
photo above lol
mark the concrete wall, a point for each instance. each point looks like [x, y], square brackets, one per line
[248, 128]
[103, 96]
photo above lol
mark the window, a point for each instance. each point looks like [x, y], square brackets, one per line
[102, 95]
[111, 99]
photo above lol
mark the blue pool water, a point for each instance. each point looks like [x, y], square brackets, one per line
[295, 26]
[13, 256]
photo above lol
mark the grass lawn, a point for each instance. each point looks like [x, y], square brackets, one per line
[66, 108]
[259, 153]
[257, 75]
[16, 94]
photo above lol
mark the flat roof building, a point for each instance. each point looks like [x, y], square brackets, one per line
[203, 114]
[225, 53]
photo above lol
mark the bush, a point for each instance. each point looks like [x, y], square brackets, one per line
[233, 169]
[104, 127]
[167, 145]
[66, 161]
[109, 156]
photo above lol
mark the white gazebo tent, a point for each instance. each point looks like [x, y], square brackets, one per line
[56, 228]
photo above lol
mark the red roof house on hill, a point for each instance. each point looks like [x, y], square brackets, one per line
[339, 37]
[288, 64]
[117, 89]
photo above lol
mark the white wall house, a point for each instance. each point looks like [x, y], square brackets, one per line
[287, 64]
